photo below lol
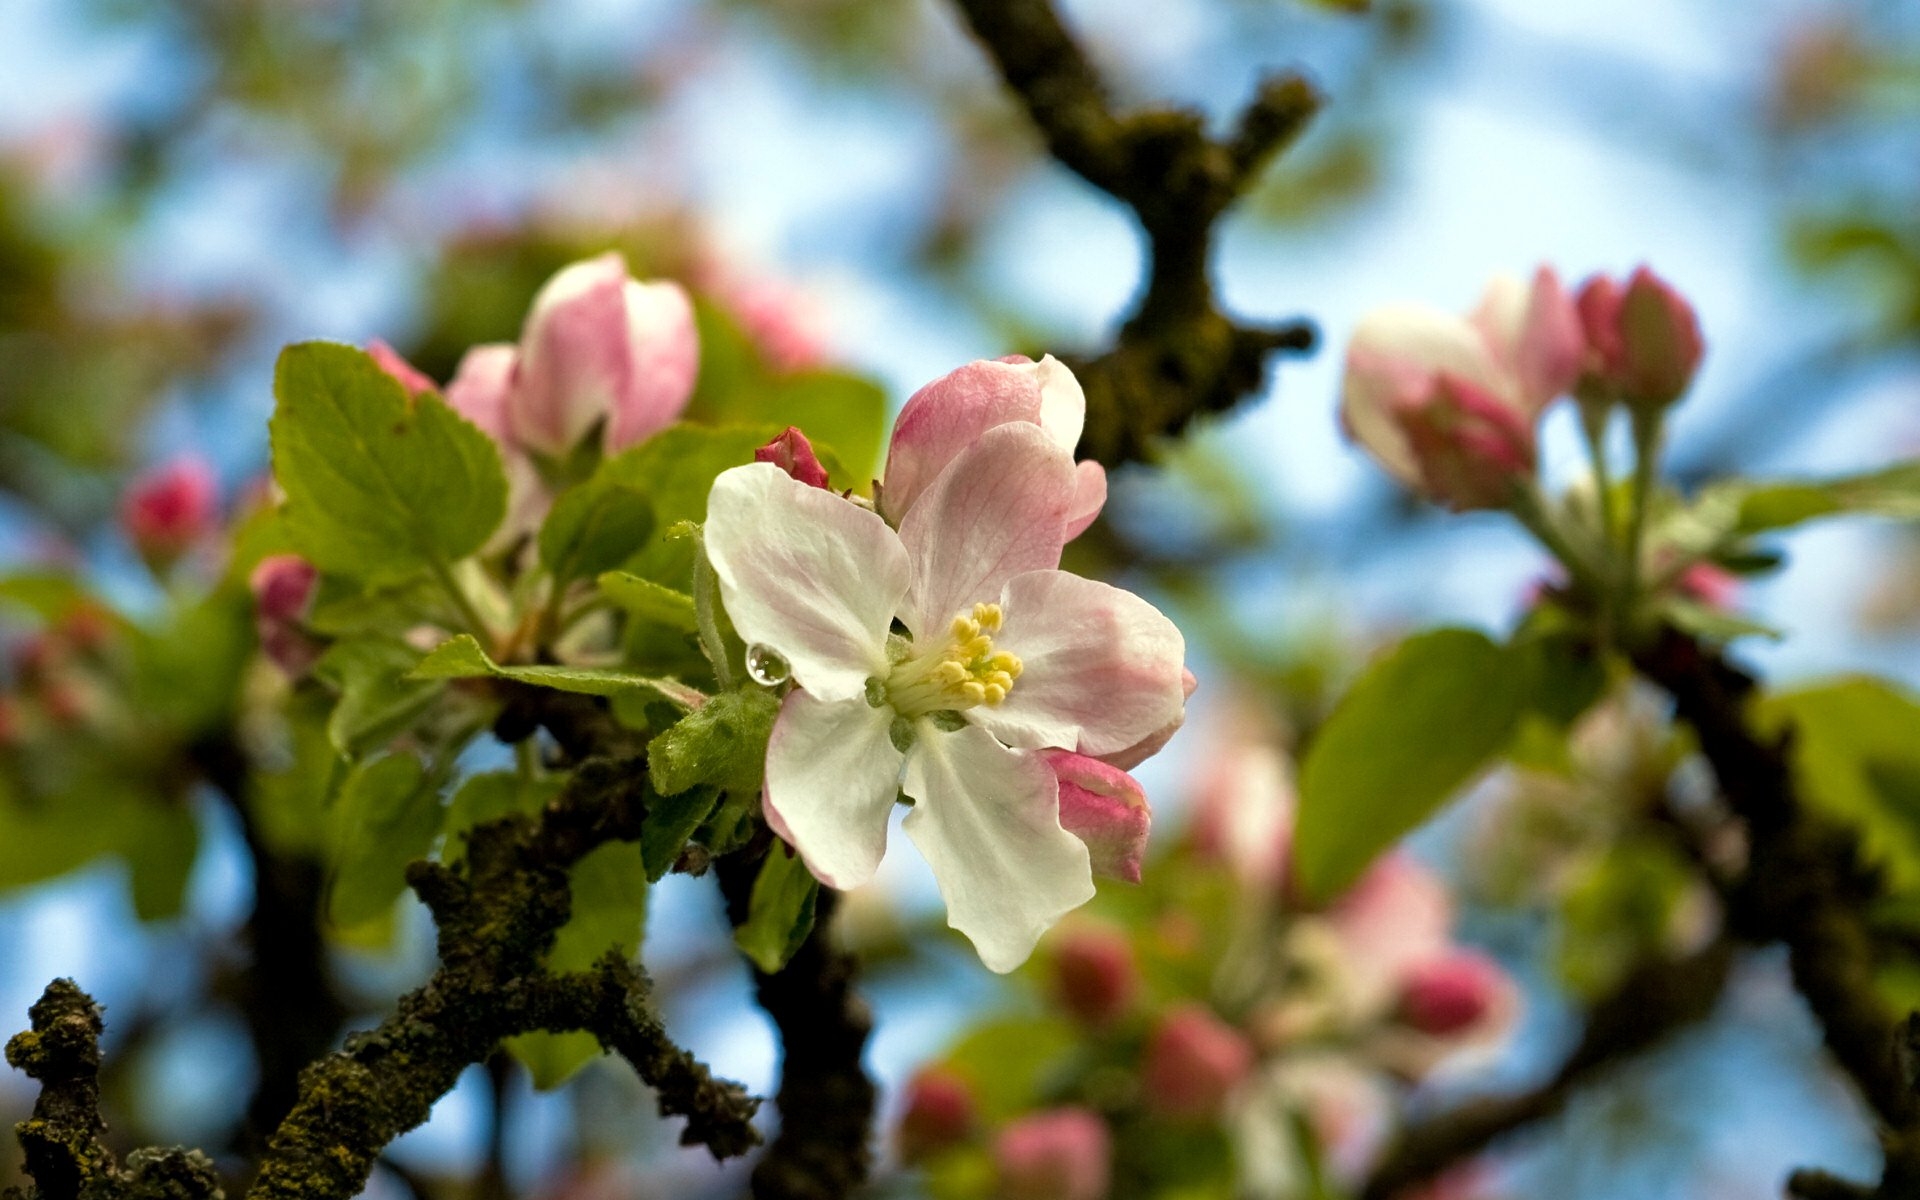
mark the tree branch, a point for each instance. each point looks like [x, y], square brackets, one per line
[1807, 886]
[1651, 1004]
[1177, 356]
[826, 1100]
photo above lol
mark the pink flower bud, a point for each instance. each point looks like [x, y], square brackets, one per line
[780, 321]
[1064, 1154]
[1471, 448]
[1094, 976]
[478, 390]
[1194, 1061]
[793, 453]
[1243, 813]
[166, 511]
[1644, 341]
[1448, 996]
[283, 587]
[948, 415]
[1711, 584]
[1534, 332]
[409, 376]
[939, 1113]
[1104, 807]
[1660, 337]
[597, 348]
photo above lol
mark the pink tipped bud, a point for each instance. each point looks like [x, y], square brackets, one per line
[1094, 976]
[1711, 584]
[283, 587]
[793, 453]
[478, 390]
[1104, 807]
[1470, 447]
[940, 1113]
[1598, 303]
[1194, 1062]
[410, 377]
[1064, 1154]
[1660, 339]
[601, 349]
[1451, 995]
[166, 511]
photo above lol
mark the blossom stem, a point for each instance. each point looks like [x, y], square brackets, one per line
[462, 605]
[1530, 509]
[1646, 458]
[703, 607]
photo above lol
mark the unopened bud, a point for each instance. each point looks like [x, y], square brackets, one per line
[1106, 808]
[793, 453]
[1451, 995]
[1643, 340]
[1471, 448]
[1094, 976]
[1064, 1154]
[1194, 1062]
[939, 1114]
[283, 587]
[409, 376]
[166, 511]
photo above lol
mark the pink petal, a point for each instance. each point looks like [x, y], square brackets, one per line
[1101, 668]
[1089, 497]
[793, 453]
[1144, 749]
[998, 510]
[575, 358]
[392, 363]
[1392, 361]
[664, 349]
[1104, 807]
[480, 385]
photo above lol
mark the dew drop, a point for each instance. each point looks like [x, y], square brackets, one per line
[766, 666]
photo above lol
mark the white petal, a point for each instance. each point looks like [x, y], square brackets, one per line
[999, 509]
[832, 777]
[1101, 669]
[987, 820]
[812, 575]
[1063, 403]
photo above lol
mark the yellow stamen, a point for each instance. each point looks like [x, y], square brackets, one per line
[964, 672]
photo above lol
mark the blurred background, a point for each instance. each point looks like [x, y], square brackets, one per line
[186, 185]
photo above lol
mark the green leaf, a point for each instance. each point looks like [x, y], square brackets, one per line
[488, 797]
[378, 486]
[1009, 1062]
[1713, 624]
[1560, 677]
[723, 743]
[1856, 756]
[387, 815]
[379, 696]
[594, 528]
[160, 850]
[188, 671]
[671, 820]
[462, 658]
[1415, 728]
[1725, 513]
[289, 798]
[780, 911]
[609, 913]
[645, 600]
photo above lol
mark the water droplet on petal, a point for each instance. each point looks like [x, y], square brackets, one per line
[766, 665]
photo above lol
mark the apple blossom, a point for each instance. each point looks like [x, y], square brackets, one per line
[940, 1112]
[1450, 995]
[599, 347]
[944, 417]
[1094, 975]
[1448, 405]
[1104, 807]
[1063, 1154]
[1002, 656]
[169, 509]
[1194, 1062]
[283, 587]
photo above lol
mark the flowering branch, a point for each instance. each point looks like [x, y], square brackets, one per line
[1178, 355]
[1651, 1004]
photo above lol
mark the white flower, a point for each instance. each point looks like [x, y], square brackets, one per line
[1002, 656]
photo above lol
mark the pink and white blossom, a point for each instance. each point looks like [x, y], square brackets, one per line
[1063, 1154]
[946, 416]
[1449, 405]
[1003, 657]
[600, 348]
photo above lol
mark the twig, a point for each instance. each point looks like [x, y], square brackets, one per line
[1178, 356]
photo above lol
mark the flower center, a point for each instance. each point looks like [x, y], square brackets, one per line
[964, 672]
